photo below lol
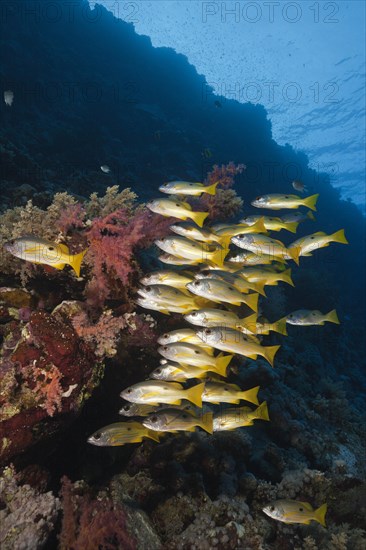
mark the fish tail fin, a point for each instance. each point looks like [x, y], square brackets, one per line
[75, 261]
[310, 215]
[286, 277]
[310, 202]
[258, 226]
[261, 413]
[319, 514]
[207, 422]
[280, 326]
[294, 253]
[222, 363]
[218, 257]
[270, 352]
[250, 395]
[250, 322]
[211, 189]
[198, 217]
[194, 394]
[332, 317]
[251, 300]
[292, 226]
[259, 287]
[152, 434]
[340, 237]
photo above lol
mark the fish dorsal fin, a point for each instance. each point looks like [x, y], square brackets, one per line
[320, 233]
[307, 506]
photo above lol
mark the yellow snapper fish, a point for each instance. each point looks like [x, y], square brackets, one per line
[39, 251]
[189, 354]
[211, 317]
[194, 189]
[293, 511]
[170, 259]
[192, 232]
[236, 260]
[174, 372]
[121, 433]
[166, 277]
[176, 209]
[238, 417]
[278, 201]
[306, 317]
[173, 420]
[184, 335]
[261, 244]
[166, 308]
[235, 280]
[266, 276]
[165, 295]
[191, 250]
[222, 392]
[221, 291]
[297, 217]
[271, 223]
[225, 233]
[153, 392]
[233, 341]
[105, 168]
[136, 409]
[306, 245]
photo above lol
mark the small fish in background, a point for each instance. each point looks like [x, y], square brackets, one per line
[278, 201]
[306, 317]
[176, 209]
[299, 186]
[121, 433]
[194, 189]
[192, 250]
[293, 511]
[105, 168]
[218, 104]
[222, 392]
[221, 291]
[9, 97]
[167, 277]
[261, 244]
[40, 251]
[173, 420]
[271, 223]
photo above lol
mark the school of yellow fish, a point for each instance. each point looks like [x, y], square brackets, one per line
[211, 282]
[209, 285]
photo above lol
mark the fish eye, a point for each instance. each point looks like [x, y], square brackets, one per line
[176, 204]
[301, 509]
[290, 315]
[97, 436]
[165, 336]
[129, 391]
[313, 313]
[312, 237]
[148, 288]
[51, 248]
[158, 371]
[196, 283]
[257, 198]
[194, 314]
[128, 429]
[184, 415]
[286, 196]
[271, 508]
[126, 407]
[154, 419]
[197, 352]
[208, 331]
[165, 348]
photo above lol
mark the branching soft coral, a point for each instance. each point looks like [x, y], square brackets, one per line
[88, 524]
[226, 203]
[103, 334]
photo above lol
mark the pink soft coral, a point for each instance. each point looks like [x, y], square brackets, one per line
[113, 240]
[226, 203]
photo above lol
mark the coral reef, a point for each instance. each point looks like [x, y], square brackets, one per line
[27, 517]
